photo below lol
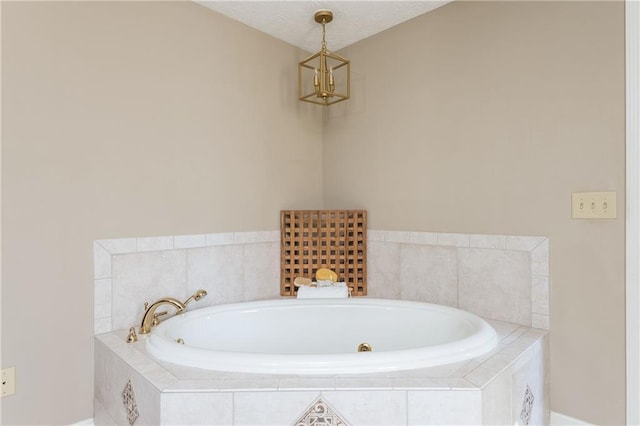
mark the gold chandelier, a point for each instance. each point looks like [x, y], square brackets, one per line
[323, 78]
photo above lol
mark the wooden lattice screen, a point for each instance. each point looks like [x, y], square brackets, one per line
[314, 239]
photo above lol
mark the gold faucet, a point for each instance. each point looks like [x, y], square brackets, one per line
[151, 318]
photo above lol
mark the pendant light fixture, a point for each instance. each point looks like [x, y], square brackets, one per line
[323, 78]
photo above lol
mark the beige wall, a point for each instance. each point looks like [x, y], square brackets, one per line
[483, 117]
[129, 119]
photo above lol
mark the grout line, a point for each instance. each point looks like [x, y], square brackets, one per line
[233, 408]
[539, 244]
[531, 274]
[244, 290]
[97, 242]
[406, 404]
[110, 309]
[186, 271]
[111, 302]
[458, 277]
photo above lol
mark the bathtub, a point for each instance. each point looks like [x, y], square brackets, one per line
[320, 337]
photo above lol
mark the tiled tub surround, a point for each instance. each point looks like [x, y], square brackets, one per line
[496, 276]
[502, 278]
[507, 386]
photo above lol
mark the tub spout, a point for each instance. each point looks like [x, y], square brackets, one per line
[151, 318]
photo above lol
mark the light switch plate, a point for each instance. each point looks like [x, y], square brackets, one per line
[593, 205]
[8, 376]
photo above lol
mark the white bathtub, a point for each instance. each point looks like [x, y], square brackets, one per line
[290, 336]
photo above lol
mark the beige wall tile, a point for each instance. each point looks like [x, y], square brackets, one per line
[383, 270]
[495, 284]
[197, 409]
[146, 277]
[369, 407]
[271, 408]
[219, 271]
[429, 274]
[261, 264]
[444, 408]
[189, 241]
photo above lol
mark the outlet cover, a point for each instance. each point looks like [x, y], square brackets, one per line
[8, 381]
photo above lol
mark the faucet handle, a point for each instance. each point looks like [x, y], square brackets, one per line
[132, 337]
[157, 315]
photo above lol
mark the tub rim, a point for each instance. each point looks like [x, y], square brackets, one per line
[161, 347]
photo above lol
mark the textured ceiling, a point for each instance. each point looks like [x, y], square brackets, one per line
[292, 21]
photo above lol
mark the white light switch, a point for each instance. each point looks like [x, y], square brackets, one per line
[593, 205]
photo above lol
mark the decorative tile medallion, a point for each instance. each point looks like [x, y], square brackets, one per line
[129, 401]
[320, 414]
[527, 406]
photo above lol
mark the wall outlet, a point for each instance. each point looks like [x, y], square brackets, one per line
[8, 381]
[593, 205]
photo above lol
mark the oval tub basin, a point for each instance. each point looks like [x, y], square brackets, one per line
[321, 336]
